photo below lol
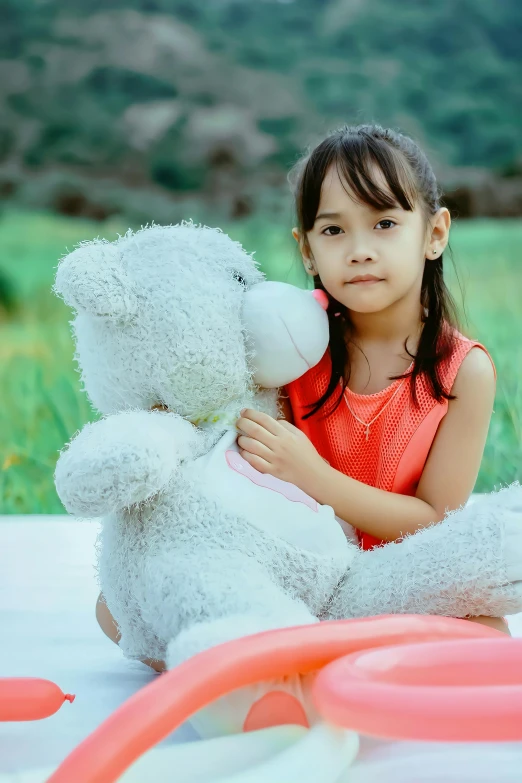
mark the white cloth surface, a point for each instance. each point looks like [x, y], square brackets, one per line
[48, 628]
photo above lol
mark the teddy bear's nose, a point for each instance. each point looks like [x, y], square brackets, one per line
[321, 297]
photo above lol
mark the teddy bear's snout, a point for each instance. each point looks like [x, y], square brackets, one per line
[288, 331]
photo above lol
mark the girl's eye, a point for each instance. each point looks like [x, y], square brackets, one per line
[328, 228]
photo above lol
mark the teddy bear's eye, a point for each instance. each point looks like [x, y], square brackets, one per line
[239, 279]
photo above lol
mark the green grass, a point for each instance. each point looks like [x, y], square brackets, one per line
[41, 402]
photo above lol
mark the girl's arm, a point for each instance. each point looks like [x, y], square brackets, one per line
[448, 477]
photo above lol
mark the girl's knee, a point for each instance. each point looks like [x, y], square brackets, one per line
[499, 623]
[106, 620]
[158, 666]
[110, 629]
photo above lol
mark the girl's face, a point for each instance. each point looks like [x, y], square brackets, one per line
[350, 240]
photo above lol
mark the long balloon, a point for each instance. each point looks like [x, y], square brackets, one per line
[155, 711]
[451, 691]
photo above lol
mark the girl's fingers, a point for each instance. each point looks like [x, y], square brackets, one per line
[258, 463]
[262, 420]
[254, 447]
[291, 428]
[257, 425]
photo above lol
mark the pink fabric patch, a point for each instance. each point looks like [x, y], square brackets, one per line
[289, 491]
[275, 709]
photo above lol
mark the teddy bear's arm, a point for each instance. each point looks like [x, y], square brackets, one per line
[122, 460]
[470, 564]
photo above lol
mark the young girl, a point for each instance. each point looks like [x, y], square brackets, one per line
[390, 426]
[392, 422]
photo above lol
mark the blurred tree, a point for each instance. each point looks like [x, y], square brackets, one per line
[147, 90]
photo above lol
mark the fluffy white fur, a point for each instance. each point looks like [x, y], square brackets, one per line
[162, 315]
[468, 565]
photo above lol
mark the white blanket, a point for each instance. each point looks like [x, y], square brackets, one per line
[48, 628]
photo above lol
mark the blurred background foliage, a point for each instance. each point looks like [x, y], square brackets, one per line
[117, 113]
[142, 106]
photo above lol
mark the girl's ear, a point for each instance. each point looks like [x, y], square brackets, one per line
[308, 264]
[439, 234]
[91, 279]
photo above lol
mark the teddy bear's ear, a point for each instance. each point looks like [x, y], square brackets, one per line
[91, 279]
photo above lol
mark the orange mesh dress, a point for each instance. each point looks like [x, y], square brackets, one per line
[394, 455]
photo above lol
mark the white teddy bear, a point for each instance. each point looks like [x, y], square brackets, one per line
[197, 547]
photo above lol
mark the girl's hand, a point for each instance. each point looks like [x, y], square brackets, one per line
[278, 448]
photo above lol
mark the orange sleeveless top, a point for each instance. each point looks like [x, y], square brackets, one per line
[393, 455]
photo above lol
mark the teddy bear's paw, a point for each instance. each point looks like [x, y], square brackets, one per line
[510, 514]
[487, 534]
[121, 460]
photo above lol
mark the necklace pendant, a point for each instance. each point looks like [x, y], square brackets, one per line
[367, 432]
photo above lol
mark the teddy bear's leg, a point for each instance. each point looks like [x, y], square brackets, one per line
[469, 564]
[232, 597]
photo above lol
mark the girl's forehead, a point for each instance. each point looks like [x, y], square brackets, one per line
[337, 197]
[337, 188]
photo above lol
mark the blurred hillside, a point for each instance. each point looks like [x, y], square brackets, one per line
[163, 108]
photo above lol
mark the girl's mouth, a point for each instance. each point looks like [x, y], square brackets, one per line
[365, 282]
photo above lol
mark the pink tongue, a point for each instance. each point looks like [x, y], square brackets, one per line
[320, 297]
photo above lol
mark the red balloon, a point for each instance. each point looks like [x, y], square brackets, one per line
[447, 691]
[156, 710]
[29, 698]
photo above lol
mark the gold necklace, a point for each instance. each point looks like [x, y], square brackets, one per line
[368, 424]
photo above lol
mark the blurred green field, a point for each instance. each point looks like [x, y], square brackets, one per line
[41, 402]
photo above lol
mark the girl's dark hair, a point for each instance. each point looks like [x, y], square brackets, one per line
[353, 150]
